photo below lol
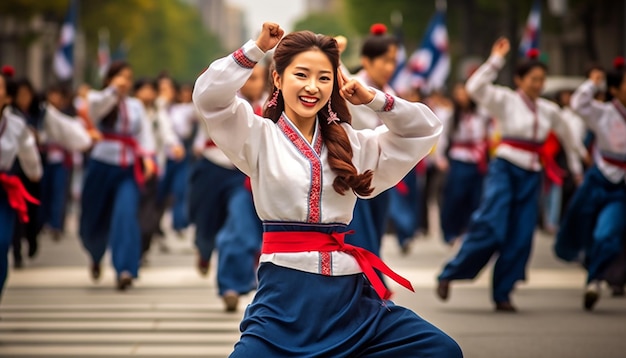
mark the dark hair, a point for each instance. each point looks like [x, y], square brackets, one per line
[66, 93]
[526, 65]
[13, 86]
[615, 77]
[377, 43]
[144, 81]
[334, 136]
[109, 120]
[458, 111]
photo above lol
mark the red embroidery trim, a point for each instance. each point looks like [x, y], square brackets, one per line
[242, 60]
[389, 102]
[325, 265]
[315, 191]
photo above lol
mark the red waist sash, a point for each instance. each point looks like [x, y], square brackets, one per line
[552, 169]
[209, 144]
[290, 241]
[129, 142]
[616, 162]
[17, 195]
[478, 147]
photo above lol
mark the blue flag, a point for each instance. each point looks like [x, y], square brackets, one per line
[429, 66]
[530, 38]
[63, 63]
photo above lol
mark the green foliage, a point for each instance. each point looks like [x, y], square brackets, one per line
[324, 23]
[160, 35]
[416, 13]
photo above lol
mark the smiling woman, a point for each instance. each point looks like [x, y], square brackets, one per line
[317, 295]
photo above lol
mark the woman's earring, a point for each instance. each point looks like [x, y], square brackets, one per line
[274, 100]
[332, 116]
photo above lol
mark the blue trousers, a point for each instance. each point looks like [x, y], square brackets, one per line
[239, 244]
[461, 196]
[211, 188]
[300, 314]
[404, 208]
[504, 223]
[54, 194]
[174, 184]
[594, 224]
[7, 223]
[109, 215]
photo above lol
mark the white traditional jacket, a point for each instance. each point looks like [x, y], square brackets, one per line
[520, 118]
[291, 179]
[608, 122]
[132, 122]
[17, 141]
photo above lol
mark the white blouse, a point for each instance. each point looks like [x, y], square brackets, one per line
[521, 118]
[134, 123]
[471, 132]
[608, 122]
[290, 177]
[16, 140]
[62, 131]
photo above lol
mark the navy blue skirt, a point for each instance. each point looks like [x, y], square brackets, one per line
[301, 314]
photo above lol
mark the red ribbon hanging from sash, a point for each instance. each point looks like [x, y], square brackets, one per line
[17, 195]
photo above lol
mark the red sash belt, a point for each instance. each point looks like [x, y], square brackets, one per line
[477, 147]
[209, 144]
[616, 162]
[129, 142]
[284, 242]
[552, 169]
[17, 195]
[67, 156]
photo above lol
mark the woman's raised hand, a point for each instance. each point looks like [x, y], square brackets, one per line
[270, 34]
[501, 47]
[352, 90]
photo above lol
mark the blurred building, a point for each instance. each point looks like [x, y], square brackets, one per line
[224, 20]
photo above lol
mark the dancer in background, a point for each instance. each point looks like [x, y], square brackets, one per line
[507, 216]
[119, 164]
[462, 154]
[173, 185]
[378, 61]
[594, 221]
[167, 145]
[16, 141]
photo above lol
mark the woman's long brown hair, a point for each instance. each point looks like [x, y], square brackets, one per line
[335, 137]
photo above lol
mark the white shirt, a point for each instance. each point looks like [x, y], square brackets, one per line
[608, 122]
[210, 151]
[518, 120]
[162, 131]
[16, 140]
[135, 124]
[62, 132]
[183, 117]
[291, 179]
[471, 132]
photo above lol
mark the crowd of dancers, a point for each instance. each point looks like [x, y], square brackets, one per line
[506, 161]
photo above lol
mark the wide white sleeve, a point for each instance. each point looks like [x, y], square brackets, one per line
[482, 90]
[585, 105]
[230, 120]
[28, 155]
[573, 147]
[164, 125]
[67, 131]
[410, 132]
[101, 102]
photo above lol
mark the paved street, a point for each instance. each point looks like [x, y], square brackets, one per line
[52, 309]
